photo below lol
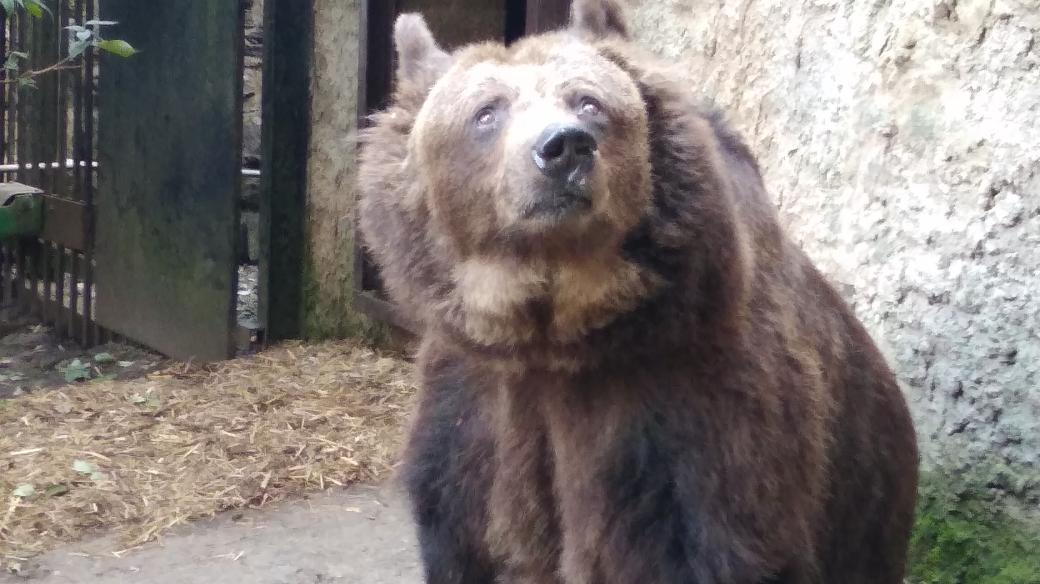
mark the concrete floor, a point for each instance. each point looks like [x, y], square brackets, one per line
[362, 535]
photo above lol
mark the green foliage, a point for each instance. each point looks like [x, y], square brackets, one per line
[118, 48]
[34, 8]
[77, 371]
[960, 537]
[89, 35]
[81, 38]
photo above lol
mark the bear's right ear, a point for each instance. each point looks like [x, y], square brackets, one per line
[420, 62]
[599, 19]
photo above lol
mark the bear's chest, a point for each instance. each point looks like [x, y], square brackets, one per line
[576, 466]
[590, 470]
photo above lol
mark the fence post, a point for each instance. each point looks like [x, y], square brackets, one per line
[286, 118]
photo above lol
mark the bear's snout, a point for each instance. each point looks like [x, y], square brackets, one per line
[564, 153]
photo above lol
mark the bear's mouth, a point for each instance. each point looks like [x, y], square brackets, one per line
[557, 205]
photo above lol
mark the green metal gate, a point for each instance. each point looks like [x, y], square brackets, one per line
[169, 146]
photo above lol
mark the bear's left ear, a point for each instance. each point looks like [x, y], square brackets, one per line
[599, 19]
[420, 62]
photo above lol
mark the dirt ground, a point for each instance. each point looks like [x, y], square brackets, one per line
[32, 358]
[361, 535]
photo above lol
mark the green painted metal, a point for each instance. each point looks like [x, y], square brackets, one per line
[169, 147]
[21, 216]
[288, 45]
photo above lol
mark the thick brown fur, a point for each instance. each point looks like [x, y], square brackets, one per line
[662, 391]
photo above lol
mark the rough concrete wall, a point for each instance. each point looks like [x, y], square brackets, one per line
[331, 170]
[252, 79]
[252, 88]
[901, 140]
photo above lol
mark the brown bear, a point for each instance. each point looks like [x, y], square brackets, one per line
[630, 374]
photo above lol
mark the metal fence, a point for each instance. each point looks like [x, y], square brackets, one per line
[48, 143]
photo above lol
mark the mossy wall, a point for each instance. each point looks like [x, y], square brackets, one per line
[964, 536]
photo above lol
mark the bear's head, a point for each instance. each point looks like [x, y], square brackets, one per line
[510, 192]
[538, 150]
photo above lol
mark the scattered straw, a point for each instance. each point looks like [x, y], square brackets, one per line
[146, 455]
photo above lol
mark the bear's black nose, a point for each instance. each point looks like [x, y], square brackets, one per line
[564, 152]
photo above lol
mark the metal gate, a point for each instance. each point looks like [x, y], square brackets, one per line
[47, 143]
[153, 258]
[169, 138]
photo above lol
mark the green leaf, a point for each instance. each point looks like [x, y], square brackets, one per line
[56, 490]
[26, 83]
[24, 491]
[12, 60]
[77, 48]
[84, 467]
[104, 358]
[34, 10]
[8, 5]
[77, 371]
[117, 47]
[37, 5]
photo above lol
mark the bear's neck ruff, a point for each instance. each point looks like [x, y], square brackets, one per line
[505, 302]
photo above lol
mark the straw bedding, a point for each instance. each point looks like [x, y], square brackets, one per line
[142, 456]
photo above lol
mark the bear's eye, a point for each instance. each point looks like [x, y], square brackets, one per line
[485, 117]
[588, 106]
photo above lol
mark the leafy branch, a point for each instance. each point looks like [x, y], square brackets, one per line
[81, 38]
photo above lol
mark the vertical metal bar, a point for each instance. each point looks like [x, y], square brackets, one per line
[5, 50]
[50, 97]
[46, 280]
[24, 175]
[32, 274]
[89, 330]
[10, 128]
[3, 274]
[7, 281]
[74, 296]
[88, 299]
[59, 296]
[60, 182]
[18, 290]
[91, 88]
[37, 99]
[77, 117]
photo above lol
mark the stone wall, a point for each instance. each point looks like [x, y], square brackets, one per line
[251, 88]
[253, 80]
[901, 141]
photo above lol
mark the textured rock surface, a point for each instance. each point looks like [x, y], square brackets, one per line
[253, 81]
[901, 140]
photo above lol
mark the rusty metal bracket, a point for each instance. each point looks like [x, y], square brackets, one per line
[65, 222]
